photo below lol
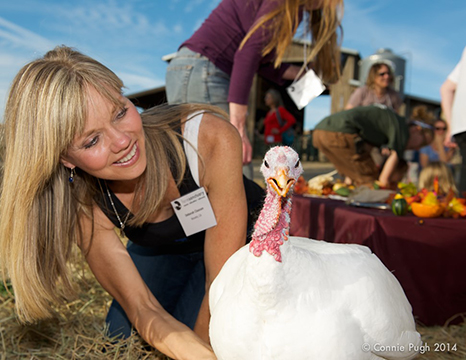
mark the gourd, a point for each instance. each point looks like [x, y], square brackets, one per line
[399, 205]
[426, 210]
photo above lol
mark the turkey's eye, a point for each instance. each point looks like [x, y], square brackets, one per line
[266, 164]
[297, 164]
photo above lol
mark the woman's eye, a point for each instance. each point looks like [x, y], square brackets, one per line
[121, 114]
[91, 143]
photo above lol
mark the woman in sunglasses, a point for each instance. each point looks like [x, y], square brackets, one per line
[378, 89]
[437, 151]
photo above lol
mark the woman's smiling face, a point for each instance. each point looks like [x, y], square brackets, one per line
[112, 145]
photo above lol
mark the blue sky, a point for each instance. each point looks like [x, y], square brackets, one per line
[131, 36]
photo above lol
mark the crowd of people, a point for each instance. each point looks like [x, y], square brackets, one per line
[94, 165]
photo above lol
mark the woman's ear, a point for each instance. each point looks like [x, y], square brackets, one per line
[67, 163]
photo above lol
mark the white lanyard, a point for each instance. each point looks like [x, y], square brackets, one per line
[308, 87]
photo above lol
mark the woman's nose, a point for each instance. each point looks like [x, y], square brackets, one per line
[119, 140]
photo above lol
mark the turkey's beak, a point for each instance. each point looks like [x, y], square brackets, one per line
[281, 183]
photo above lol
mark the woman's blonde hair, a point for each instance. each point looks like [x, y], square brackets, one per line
[374, 72]
[282, 23]
[39, 209]
[441, 171]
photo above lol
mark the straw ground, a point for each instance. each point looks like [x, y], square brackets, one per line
[77, 331]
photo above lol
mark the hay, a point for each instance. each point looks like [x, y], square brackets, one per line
[77, 331]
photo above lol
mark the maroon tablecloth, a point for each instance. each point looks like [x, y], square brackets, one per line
[427, 256]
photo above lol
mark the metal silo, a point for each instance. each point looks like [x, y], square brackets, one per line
[396, 63]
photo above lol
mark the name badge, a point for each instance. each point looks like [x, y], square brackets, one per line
[194, 212]
[305, 89]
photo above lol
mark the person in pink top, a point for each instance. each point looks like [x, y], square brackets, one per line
[378, 89]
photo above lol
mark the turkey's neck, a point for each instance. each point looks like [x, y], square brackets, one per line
[272, 227]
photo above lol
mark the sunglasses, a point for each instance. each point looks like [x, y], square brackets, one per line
[440, 128]
[384, 73]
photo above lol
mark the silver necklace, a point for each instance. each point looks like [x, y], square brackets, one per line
[122, 223]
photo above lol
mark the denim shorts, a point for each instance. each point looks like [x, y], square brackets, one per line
[193, 78]
[176, 280]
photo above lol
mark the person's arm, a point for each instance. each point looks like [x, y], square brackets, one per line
[388, 168]
[447, 95]
[114, 269]
[238, 115]
[288, 117]
[349, 106]
[292, 72]
[223, 181]
[355, 99]
[445, 155]
[423, 159]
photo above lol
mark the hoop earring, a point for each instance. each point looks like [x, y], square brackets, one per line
[72, 173]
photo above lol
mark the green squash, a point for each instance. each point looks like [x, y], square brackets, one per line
[399, 205]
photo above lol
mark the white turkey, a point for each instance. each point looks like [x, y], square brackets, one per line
[283, 297]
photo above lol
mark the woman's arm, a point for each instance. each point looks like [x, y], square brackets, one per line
[443, 155]
[223, 180]
[355, 99]
[238, 115]
[116, 272]
[288, 117]
[423, 159]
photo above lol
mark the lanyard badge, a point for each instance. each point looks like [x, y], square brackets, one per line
[303, 91]
[194, 212]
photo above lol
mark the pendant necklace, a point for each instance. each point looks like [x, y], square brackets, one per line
[122, 223]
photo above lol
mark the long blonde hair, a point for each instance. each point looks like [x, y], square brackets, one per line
[323, 24]
[39, 208]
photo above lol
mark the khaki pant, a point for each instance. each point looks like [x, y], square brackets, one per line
[340, 149]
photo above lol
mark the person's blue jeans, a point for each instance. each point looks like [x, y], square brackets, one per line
[192, 78]
[177, 282]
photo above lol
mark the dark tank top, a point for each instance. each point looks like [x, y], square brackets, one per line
[167, 236]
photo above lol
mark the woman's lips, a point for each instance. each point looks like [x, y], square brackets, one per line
[128, 157]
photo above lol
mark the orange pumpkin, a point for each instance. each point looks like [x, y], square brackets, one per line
[427, 211]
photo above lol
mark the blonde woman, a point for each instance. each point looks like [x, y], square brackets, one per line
[378, 89]
[85, 161]
[217, 64]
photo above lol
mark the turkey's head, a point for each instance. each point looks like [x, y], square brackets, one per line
[281, 169]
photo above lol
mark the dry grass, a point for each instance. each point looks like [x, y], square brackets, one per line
[77, 332]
